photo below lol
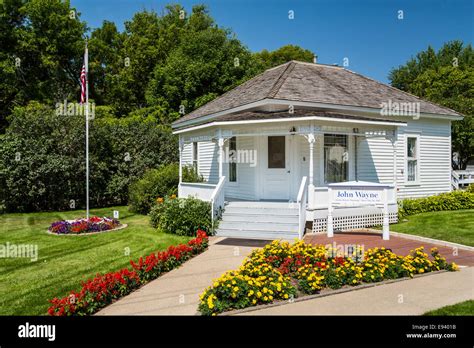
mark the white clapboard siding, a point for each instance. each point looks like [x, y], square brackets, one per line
[187, 154]
[244, 188]
[375, 158]
[434, 161]
[207, 160]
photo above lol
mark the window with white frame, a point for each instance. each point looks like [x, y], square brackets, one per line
[233, 160]
[336, 158]
[412, 158]
[195, 156]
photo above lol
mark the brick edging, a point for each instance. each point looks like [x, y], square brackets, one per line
[409, 236]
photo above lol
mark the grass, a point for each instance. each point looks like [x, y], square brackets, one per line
[462, 308]
[64, 261]
[451, 226]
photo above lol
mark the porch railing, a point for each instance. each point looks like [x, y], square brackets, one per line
[217, 200]
[196, 189]
[301, 201]
[213, 193]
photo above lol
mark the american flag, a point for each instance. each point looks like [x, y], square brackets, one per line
[83, 84]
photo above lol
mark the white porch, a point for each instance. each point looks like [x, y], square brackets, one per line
[290, 163]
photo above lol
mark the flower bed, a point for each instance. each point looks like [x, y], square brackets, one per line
[282, 271]
[104, 289]
[79, 226]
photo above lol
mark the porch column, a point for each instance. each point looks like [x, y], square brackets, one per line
[394, 147]
[311, 141]
[181, 144]
[220, 142]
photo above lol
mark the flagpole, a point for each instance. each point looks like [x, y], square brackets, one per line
[86, 63]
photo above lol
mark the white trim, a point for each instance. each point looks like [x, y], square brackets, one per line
[236, 182]
[291, 119]
[418, 162]
[373, 111]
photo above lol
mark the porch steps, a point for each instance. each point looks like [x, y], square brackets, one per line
[259, 220]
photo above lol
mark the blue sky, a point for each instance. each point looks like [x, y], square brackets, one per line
[367, 32]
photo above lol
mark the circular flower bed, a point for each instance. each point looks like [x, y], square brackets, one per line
[80, 226]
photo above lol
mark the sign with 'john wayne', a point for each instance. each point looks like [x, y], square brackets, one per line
[358, 192]
[362, 196]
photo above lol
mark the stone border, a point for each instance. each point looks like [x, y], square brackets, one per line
[328, 292]
[408, 236]
[120, 227]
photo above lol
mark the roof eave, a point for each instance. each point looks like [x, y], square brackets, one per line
[374, 111]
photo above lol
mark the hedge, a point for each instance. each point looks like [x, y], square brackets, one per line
[454, 200]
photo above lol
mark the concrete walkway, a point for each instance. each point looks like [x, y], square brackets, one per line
[177, 292]
[410, 297]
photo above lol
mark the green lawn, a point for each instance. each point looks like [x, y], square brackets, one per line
[63, 261]
[463, 308]
[452, 226]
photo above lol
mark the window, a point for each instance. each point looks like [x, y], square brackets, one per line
[195, 157]
[412, 159]
[232, 159]
[276, 152]
[336, 157]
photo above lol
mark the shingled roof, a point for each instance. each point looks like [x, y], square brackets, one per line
[306, 82]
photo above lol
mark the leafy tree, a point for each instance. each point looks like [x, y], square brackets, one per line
[268, 59]
[207, 62]
[42, 44]
[445, 77]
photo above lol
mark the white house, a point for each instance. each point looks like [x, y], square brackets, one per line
[273, 150]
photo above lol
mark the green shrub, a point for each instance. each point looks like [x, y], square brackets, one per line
[155, 183]
[454, 200]
[181, 216]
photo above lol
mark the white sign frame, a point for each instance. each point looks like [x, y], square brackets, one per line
[351, 189]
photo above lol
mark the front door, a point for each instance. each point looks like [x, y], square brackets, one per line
[276, 168]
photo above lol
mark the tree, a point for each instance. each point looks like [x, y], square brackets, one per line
[207, 62]
[445, 77]
[268, 59]
[42, 43]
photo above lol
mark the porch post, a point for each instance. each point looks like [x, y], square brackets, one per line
[181, 144]
[220, 142]
[394, 147]
[330, 226]
[311, 141]
[385, 227]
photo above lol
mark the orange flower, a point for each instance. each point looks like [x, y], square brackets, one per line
[159, 200]
[173, 196]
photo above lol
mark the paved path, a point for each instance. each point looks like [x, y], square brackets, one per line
[399, 245]
[419, 296]
[177, 292]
